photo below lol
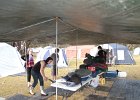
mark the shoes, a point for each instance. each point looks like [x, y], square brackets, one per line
[44, 94]
[32, 93]
[42, 91]
[29, 84]
[31, 90]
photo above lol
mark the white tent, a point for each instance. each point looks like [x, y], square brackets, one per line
[136, 51]
[120, 52]
[47, 51]
[37, 50]
[10, 60]
[44, 53]
[94, 51]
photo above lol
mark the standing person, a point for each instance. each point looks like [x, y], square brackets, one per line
[102, 54]
[38, 74]
[28, 65]
[55, 58]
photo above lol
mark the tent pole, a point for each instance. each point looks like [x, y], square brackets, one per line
[75, 28]
[76, 56]
[76, 49]
[25, 51]
[116, 56]
[108, 62]
[56, 19]
[26, 27]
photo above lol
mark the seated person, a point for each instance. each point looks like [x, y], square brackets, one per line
[84, 65]
[87, 62]
[90, 59]
[101, 57]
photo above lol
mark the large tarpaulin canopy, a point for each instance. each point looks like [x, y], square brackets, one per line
[85, 21]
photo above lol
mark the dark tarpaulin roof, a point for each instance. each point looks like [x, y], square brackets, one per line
[80, 21]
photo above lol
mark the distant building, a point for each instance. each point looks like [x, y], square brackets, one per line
[78, 51]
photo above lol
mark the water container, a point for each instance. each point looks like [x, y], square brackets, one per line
[122, 74]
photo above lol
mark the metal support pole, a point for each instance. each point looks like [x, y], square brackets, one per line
[56, 52]
[76, 49]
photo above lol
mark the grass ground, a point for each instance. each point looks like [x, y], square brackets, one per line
[12, 85]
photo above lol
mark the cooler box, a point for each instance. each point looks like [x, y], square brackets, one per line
[122, 74]
[110, 74]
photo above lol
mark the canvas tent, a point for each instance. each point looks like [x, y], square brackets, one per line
[120, 52]
[10, 60]
[37, 50]
[44, 53]
[47, 51]
[136, 51]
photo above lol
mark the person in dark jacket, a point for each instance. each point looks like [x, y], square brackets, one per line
[38, 74]
[102, 54]
[55, 58]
